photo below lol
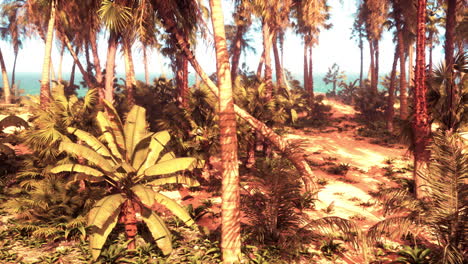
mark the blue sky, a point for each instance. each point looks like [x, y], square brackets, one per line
[334, 45]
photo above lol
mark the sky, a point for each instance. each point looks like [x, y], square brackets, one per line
[335, 46]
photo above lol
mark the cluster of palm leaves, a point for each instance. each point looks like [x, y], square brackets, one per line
[440, 218]
[275, 212]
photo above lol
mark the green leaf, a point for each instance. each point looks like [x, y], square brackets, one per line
[135, 128]
[98, 236]
[141, 152]
[108, 133]
[174, 207]
[77, 168]
[149, 197]
[90, 140]
[181, 179]
[86, 153]
[158, 141]
[158, 230]
[116, 124]
[103, 209]
[171, 166]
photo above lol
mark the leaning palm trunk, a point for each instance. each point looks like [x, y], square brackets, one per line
[260, 65]
[421, 127]
[59, 70]
[77, 62]
[6, 85]
[293, 154]
[230, 237]
[111, 51]
[44, 96]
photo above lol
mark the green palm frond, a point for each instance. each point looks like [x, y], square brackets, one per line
[115, 16]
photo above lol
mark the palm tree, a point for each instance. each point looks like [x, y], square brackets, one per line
[166, 15]
[358, 32]
[374, 14]
[311, 16]
[230, 209]
[243, 21]
[45, 80]
[421, 126]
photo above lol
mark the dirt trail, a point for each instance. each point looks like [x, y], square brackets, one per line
[341, 145]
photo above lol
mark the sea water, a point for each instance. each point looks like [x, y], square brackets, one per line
[28, 83]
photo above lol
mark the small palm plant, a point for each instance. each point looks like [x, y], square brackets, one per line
[129, 159]
[416, 255]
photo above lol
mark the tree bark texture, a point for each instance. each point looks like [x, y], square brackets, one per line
[390, 112]
[45, 95]
[421, 126]
[403, 83]
[110, 64]
[237, 51]
[267, 41]
[278, 67]
[230, 213]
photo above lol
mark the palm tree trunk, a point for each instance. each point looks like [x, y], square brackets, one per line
[278, 68]
[89, 65]
[59, 70]
[237, 51]
[306, 69]
[449, 50]
[72, 75]
[267, 41]
[145, 64]
[185, 88]
[6, 84]
[410, 66]
[390, 112]
[129, 73]
[260, 65]
[96, 60]
[372, 64]
[421, 127]
[76, 60]
[13, 75]
[230, 208]
[310, 76]
[431, 39]
[282, 145]
[130, 222]
[376, 74]
[45, 95]
[403, 83]
[361, 68]
[109, 81]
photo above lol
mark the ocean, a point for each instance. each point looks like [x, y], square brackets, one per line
[29, 82]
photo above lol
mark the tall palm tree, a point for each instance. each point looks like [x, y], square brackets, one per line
[374, 14]
[243, 20]
[312, 16]
[166, 14]
[45, 80]
[421, 126]
[230, 238]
